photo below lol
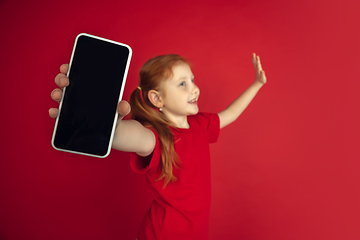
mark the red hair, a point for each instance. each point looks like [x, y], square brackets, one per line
[152, 75]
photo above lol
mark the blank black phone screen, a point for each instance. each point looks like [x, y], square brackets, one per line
[97, 74]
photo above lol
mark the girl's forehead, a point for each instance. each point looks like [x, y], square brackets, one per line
[181, 70]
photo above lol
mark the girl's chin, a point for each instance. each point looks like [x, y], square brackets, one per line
[195, 112]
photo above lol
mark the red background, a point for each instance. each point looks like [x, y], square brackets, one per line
[287, 169]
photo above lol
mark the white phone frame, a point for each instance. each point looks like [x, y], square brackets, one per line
[119, 99]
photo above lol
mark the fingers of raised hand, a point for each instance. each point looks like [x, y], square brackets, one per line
[256, 62]
[260, 73]
[254, 59]
[259, 64]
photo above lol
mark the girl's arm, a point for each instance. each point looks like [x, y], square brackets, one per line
[233, 111]
[130, 135]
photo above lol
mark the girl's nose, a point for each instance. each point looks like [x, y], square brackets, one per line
[195, 89]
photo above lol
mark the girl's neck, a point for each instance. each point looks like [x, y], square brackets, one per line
[180, 122]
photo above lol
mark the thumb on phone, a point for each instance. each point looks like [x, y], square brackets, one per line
[123, 109]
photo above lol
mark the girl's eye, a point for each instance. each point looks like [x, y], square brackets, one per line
[182, 84]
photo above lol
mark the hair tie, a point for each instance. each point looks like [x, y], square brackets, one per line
[141, 94]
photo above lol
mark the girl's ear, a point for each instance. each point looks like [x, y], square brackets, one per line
[155, 98]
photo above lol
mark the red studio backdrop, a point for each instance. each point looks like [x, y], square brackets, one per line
[288, 168]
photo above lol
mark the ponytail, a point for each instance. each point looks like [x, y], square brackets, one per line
[152, 74]
[151, 117]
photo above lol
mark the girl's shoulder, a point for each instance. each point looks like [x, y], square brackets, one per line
[204, 118]
[209, 123]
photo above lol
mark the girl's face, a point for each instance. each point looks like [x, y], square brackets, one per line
[180, 95]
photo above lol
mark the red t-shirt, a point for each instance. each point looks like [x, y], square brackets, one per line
[181, 209]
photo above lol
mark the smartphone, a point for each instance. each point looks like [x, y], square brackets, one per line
[88, 110]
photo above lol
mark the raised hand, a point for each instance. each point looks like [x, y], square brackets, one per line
[259, 72]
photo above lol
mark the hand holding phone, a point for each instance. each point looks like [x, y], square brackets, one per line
[63, 81]
[93, 87]
[123, 107]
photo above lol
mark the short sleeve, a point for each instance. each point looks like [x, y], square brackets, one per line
[214, 128]
[143, 164]
[210, 123]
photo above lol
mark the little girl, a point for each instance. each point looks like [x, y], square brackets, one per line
[169, 140]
